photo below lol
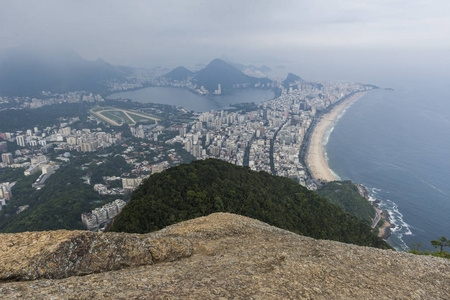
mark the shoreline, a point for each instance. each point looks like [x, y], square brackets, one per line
[318, 165]
[316, 160]
[384, 230]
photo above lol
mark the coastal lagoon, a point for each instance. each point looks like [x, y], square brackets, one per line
[191, 101]
[397, 144]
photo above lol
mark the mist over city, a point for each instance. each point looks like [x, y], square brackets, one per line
[234, 149]
[322, 39]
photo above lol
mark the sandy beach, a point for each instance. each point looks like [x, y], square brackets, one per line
[315, 158]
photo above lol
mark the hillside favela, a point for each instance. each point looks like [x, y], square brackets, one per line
[220, 171]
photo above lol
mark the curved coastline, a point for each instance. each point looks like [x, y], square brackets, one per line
[315, 158]
[317, 161]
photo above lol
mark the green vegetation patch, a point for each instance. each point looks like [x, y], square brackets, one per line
[122, 115]
[10, 174]
[117, 116]
[204, 187]
[141, 119]
[60, 203]
[439, 244]
[22, 119]
[345, 195]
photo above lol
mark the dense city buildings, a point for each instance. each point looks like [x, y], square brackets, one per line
[86, 143]
[113, 160]
[48, 98]
[269, 137]
[100, 216]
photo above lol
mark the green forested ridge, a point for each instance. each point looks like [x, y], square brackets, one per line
[22, 119]
[203, 187]
[58, 205]
[113, 166]
[10, 174]
[345, 195]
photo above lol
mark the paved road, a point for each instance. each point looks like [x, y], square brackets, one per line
[377, 218]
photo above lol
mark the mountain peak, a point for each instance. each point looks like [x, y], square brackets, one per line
[239, 256]
[291, 79]
[218, 71]
[228, 76]
[179, 74]
[218, 61]
[219, 64]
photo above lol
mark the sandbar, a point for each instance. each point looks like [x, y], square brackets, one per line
[315, 158]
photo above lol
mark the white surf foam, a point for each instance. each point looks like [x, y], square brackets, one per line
[335, 175]
[400, 227]
[326, 136]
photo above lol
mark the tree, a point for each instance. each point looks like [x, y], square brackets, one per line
[441, 242]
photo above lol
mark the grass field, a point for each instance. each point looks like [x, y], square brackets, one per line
[117, 116]
[138, 118]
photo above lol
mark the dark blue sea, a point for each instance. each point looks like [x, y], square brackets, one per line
[397, 143]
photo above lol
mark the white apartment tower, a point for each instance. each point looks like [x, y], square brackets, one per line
[20, 140]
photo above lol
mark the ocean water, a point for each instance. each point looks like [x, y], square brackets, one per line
[397, 143]
[189, 100]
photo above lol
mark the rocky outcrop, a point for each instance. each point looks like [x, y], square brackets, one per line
[60, 254]
[229, 256]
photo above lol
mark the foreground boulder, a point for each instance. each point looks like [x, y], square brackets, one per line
[61, 253]
[238, 257]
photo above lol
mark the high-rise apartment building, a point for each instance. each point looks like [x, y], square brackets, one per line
[3, 147]
[7, 158]
[20, 139]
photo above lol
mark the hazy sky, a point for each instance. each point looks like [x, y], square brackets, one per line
[148, 33]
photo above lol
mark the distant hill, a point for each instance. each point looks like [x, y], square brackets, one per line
[217, 72]
[291, 79]
[206, 186]
[265, 69]
[179, 73]
[27, 71]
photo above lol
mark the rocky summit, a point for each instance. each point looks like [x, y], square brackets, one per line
[220, 256]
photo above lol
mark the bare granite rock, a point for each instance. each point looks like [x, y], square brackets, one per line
[60, 254]
[232, 257]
